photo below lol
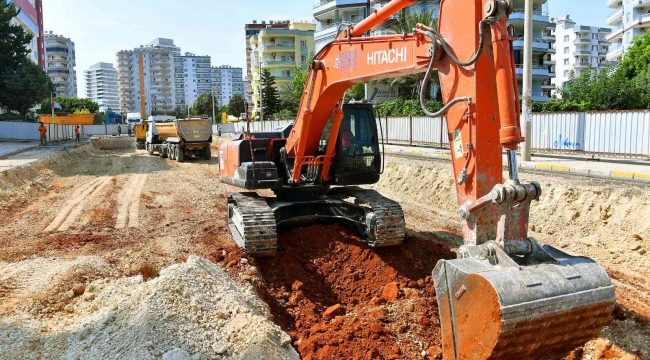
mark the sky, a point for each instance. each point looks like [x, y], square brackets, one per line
[101, 28]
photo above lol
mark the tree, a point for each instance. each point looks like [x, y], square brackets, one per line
[288, 100]
[637, 58]
[270, 95]
[236, 105]
[179, 112]
[203, 105]
[69, 105]
[356, 92]
[24, 87]
[409, 86]
[607, 89]
[13, 38]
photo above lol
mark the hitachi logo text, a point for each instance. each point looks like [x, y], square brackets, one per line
[387, 56]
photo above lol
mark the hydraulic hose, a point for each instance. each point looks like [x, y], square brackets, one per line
[433, 35]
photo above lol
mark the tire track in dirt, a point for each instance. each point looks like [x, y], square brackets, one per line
[129, 199]
[73, 207]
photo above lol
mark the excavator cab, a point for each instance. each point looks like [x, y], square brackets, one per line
[358, 159]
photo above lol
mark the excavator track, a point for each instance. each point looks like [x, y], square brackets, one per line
[385, 224]
[252, 224]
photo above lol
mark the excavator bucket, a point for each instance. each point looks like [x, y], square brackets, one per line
[541, 306]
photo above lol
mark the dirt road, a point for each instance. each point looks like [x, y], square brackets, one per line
[98, 218]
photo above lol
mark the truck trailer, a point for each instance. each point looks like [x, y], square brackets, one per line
[179, 139]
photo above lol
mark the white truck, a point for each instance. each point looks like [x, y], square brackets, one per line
[133, 118]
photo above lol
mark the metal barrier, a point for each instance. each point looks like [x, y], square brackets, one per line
[611, 133]
[55, 132]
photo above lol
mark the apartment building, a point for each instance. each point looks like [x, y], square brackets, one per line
[31, 18]
[330, 15]
[60, 64]
[252, 30]
[280, 50]
[578, 47]
[145, 78]
[629, 18]
[167, 44]
[101, 86]
[192, 78]
[227, 81]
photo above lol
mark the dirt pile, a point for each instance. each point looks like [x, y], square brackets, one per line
[112, 142]
[191, 310]
[340, 299]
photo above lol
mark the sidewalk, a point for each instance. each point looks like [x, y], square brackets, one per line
[606, 167]
[10, 148]
[16, 154]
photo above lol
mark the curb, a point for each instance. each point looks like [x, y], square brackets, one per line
[19, 151]
[619, 175]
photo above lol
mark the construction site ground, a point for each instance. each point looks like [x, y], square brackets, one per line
[118, 254]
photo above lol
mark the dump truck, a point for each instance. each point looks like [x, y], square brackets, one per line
[179, 139]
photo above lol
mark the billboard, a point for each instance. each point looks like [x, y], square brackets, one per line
[380, 93]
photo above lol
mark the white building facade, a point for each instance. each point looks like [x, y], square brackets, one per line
[578, 48]
[60, 64]
[192, 78]
[101, 86]
[146, 80]
[629, 18]
[228, 81]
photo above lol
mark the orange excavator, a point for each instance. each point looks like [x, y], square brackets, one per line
[506, 296]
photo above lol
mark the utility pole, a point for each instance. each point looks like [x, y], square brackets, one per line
[214, 118]
[526, 109]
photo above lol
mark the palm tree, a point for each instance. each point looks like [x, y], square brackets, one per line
[406, 22]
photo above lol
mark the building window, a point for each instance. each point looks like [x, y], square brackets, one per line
[566, 50]
[594, 48]
[566, 38]
[566, 73]
[594, 36]
[566, 61]
[303, 43]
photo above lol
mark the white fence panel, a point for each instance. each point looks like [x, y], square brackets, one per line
[427, 130]
[91, 130]
[397, 129]
[19, 130]
[559, 131]
[622, 132]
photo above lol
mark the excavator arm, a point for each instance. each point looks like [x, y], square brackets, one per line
[506, 297]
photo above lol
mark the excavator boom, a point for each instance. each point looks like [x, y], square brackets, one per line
[506, 296]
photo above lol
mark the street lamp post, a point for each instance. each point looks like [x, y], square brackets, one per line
[214, 118]
[527, 112]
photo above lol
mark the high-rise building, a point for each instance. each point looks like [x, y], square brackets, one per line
[252, 30]
[578, 48]
[145, 78]
[165, 43]
[330, 15]
[31, 18]
[192, 78]
[280, 51]
[227, 81]
[101, 86]
[629, 18]
[60, 62]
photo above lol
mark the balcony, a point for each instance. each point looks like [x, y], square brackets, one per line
[548, 37]
[604, 42]
[638, 3]
[547, 85]
[581, 53]
[616, 34]
[615, 17]
[549, 62]
[56, 50]
[279, 63]
[539, 46]
[582, 41]
[536, 96]
[539, 72]
[614, 3]
[279, 47]
[540, 18]
[615, 52]
[608, 64]
[581, 29]
[581, 65]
